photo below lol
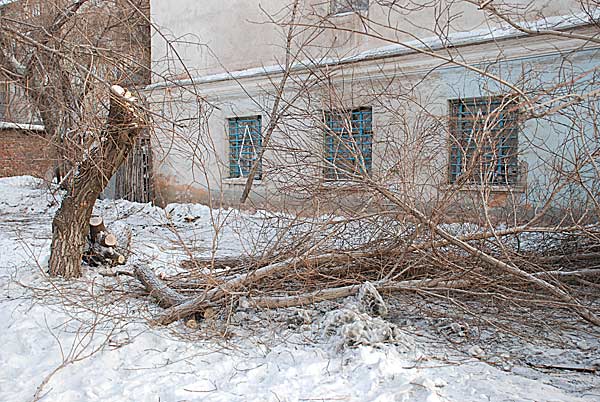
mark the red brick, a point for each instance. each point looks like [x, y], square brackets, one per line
[25, 153]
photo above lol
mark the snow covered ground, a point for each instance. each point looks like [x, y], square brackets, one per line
[87, 340]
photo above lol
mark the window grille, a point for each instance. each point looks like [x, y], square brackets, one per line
[348, 6]
[3, 101]
[35, 9]
[348, 143]
[484, 141]
[245, 143]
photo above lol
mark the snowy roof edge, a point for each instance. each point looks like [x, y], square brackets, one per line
[5, 125]
[397, 49]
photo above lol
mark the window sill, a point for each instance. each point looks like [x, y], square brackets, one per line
[4, 125]
[240, 181]
[494, 188]
[347, 13]
[342, 184]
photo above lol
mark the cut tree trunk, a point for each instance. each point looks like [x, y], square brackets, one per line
[96, 227]
[71, 223]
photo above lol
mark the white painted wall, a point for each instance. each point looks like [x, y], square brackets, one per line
[192, 157]
[212, 36]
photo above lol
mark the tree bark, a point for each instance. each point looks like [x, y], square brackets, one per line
[71, 223]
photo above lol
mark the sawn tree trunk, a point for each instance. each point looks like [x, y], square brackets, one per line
[71, 224]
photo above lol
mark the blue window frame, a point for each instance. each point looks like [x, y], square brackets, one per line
[347, 6]
[484, 141]
[348, 143]
[245, 142]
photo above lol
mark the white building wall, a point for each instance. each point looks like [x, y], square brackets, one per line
[192, 158]
[214, 36]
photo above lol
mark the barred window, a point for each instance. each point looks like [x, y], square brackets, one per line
[347, 6]
[348, 143]
[36, 9]
[245, 143]
[484, 141]
[3, 100]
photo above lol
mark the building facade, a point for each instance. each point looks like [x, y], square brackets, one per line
[320, 100]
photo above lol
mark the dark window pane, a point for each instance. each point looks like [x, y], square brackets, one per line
[484, 141]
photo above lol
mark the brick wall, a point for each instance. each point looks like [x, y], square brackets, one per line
[25, 153]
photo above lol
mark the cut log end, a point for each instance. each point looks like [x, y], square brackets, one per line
[118, 90]
[96, 221]
[109, 240]
[122, 93]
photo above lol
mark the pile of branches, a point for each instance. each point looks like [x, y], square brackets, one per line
[442, 263]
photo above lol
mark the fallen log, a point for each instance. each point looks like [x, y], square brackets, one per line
[164, 295]
[578, 273]
[220, 291]
[200, 303]
[102, 255]
[345, 291]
